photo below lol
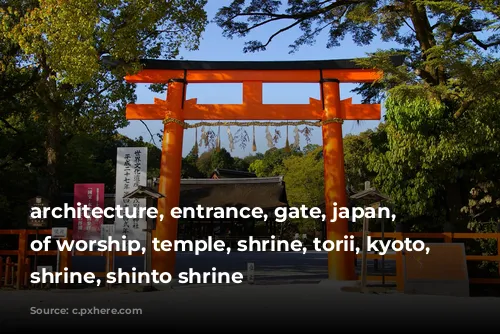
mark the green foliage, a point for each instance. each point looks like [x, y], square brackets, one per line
[484, 206]
[189, 168]
[213, 159]
[240, 164]
[436, 36]
[304, 180]
[70, 37]
[483, 209]
[440, 138]
[271, 164]
[58, 93]
[203, 165]
[356, 151]
[428, 150]
[85, 159]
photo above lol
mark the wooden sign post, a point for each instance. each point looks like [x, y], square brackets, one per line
[37, 202]
[251, 272]
[108, 230]
[59, 233]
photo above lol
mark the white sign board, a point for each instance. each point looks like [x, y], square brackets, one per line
[107, 230]
[40, 269]
[131, 172]
[251, 272]
[59, 232]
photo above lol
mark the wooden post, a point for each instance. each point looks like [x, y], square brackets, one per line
[8, 264]
[64, 261]
[21, 258]
[498, 252]
[340, 264]
[364, 251]
[170, 177]
[400, 279]
[1, 271]
[109, 265]
[35, 264]
[27, 272]
[498, 247]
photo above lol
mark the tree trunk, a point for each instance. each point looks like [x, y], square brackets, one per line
[453, 205]
[49, 95]
[52, 149]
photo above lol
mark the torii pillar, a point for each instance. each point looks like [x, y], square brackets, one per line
[331, 110]
[340, 264]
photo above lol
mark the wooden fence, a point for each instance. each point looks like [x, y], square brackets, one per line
[16, 273]
[446, 237]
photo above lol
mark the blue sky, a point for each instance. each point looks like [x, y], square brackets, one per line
[215, 47]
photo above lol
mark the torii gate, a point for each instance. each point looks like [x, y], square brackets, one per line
[330, 109]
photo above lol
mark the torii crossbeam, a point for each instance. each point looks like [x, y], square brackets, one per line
[330, 73]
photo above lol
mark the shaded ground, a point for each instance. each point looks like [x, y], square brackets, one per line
[247, 308]
[269, 266]
[273, 267]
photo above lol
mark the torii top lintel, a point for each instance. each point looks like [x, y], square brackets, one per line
[252, 75]
[344, 70]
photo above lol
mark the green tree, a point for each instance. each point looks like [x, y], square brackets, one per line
[213, 159]
[257, 167]
[60, 45]
[309, 148]
[357, 149]
[484, 212]
[240, 164]
[438, 100]
[222, 159]
[189, 168]
[252, 157]
[204, 163]
[304, 179]
[427, 155]
[271, 163]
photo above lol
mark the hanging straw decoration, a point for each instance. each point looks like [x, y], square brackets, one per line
[230, 138]
[269, 138]
[254, 144]
[217, 140]
[195, 146]
[208, 138]
[296, 141]
[208, 135]
[287, 145]
[203, 137]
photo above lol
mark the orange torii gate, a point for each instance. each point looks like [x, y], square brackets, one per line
[330, 109]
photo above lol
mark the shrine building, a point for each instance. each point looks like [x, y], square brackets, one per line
[225, 188]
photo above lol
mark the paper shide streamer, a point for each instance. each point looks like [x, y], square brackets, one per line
[211, 139]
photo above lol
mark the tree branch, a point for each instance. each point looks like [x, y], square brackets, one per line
[481, 44]
[290, 26]
[260, 24]
[147, 128]
[300, 16]
[84, 99]
[10, 126]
